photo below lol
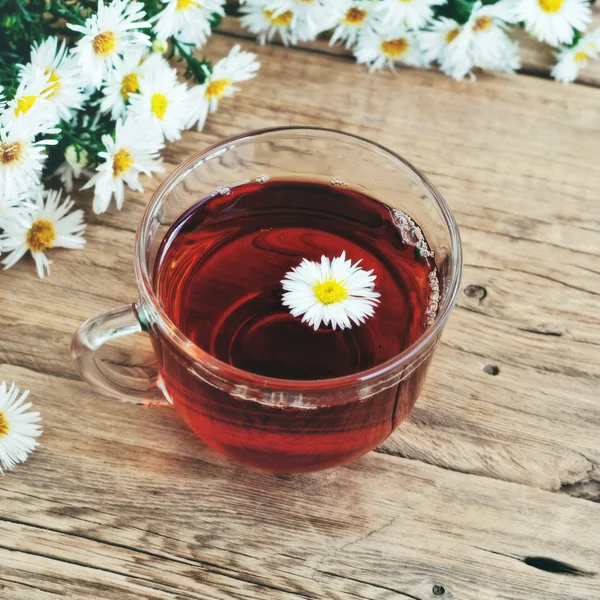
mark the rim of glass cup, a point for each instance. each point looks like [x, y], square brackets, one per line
[224, 370]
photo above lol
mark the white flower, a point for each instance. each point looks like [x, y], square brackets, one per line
[266, 24]
[122, 81]
[309, 17]
[76, 159]
[187, 20]
[388, 46]
[18, 428]
[161, 102]
[47, 226]
[572, 60]
[29, 100]
[480, 42]
[553, 21]
[134, 150]
[436, 44]
[63, 87]
[413, 14]
[236, 66]
[358, 15]
[107, 35]
[333, 291]
[22, 158]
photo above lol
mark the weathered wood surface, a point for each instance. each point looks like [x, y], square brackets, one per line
[488, 491]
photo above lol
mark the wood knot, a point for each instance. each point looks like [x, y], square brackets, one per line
[438, 590]
[491, 369]
[476, 291]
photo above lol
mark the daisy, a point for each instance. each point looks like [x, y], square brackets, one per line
[387, 46]
[572, 60]
[134, 150]
[21, 156]
[161, 101]
[121, 82]
[187, 20]
[553, 21]
[48, 225]
[266, 24]
[107, 35]
[235, 67]
[22, 203]
[73, 167]
[443, 42]
[18, 428]
[491, 48]
[309, 17]
[63, 87]
[332, 292]
[413, 14]
[29, 100]
[357, 16]
[480, 42]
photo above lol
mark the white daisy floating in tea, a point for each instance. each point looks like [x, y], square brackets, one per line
[18, 427]
[333, 292]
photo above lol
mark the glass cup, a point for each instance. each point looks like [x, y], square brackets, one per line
[277, 424]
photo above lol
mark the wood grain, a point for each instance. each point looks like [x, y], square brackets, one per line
[127, 501]
[124, 503]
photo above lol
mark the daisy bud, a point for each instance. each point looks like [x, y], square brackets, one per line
[76, 157]
[160, 46]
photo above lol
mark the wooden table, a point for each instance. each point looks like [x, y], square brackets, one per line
[490, 490]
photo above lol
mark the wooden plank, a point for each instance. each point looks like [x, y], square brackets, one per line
[124, 502]
[536, 59]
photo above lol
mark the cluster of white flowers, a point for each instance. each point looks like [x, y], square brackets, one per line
[107, 100]
[458, 35]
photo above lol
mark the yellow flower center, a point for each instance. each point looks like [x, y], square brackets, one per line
[354, 16]
[54, 82]
[40, 235]
[330, 291]
[216, 89]
[581, 56]
[550, 6]
[130, 84]
[185, 4]
[10, 153]
[24, 103]
[104, 43]
[283, 19]
[3, 425]
[158, 105]
[483, 23]
[395, 48]
[122, 161]
[451, 35]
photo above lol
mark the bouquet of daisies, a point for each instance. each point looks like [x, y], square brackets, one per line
[458, 35]
[88, 90]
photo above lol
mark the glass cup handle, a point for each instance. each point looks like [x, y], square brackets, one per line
[94, 333]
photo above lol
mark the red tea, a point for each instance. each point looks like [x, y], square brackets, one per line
[218, 276]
